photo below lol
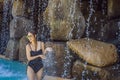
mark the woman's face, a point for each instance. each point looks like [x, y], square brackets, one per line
[31, 37]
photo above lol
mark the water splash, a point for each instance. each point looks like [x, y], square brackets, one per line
[49, 64]
[91, 11]
[118, 37]
[67, 63]
[14, 70]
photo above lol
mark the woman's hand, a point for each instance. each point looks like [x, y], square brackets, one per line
[42, 56]
[49, 49]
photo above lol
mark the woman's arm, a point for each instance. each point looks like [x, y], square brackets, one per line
[29, 57]
[43, 48]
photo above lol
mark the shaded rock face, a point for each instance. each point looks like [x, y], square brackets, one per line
[95, 13]
[94, 52]
[79, 72]
[64, 19]
[22, 49]
[113, 8]
[18, 8]
[86, 71]
[12, 49]
[1, 12]
[18, 27]
[112, 29]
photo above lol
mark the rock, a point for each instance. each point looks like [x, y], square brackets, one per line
[22, 49]
[1, 0]
[112, 28]
[54, 78]
[12, 50]
[1, 5]
[18, 27]
[1, 12]
[63, 23]
[94, 52]
[113, 8]
[80, 70]
[18, 8]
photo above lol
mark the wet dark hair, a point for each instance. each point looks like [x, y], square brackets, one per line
[31, 31]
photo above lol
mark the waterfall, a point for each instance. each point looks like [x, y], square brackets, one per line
[4, 34]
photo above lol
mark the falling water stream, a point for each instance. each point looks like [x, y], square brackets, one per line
[4, 34]
[35, 14]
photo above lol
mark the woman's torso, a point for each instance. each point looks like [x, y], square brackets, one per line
[36, 52]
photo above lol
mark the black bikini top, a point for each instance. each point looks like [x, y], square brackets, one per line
[35, 53]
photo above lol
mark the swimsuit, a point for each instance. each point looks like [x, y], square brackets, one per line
[36, 64]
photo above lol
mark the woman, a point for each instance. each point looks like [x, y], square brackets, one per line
[35, 53]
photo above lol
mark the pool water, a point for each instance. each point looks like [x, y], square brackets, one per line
[12, 70]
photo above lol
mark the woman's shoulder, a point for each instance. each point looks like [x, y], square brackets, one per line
[27, 45]
[40, 41]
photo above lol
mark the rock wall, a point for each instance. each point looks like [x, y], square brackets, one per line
[113, 8]
[65, 19]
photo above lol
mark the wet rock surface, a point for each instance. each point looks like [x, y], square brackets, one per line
[94, 52]
[63, 23]
[81, 70]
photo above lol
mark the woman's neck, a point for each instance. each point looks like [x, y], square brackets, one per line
[34, 44]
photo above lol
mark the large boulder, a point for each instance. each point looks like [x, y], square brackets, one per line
[65, 19]
[94, 52]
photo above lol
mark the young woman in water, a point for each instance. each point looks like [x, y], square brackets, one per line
[35, 52]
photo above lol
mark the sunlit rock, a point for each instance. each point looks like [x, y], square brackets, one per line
[18, 8]
[22, 49]
[65, 19]
[94, 52]
[1, 0]
[81, 70]
[113, 8]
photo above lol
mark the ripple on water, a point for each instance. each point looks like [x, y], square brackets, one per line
[12, 70]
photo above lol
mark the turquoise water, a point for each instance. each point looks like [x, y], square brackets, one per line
[12, 70]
